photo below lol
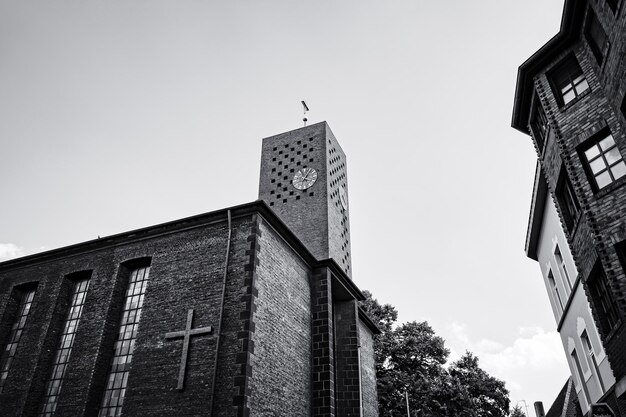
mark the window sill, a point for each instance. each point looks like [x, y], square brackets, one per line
[611, 187]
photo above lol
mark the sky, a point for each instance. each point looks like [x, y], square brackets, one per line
[116, 115]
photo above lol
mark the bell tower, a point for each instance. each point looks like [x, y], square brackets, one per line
[303, 179]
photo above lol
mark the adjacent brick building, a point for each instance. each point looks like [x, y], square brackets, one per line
[245, 311]
[546, 243]
[570, 98]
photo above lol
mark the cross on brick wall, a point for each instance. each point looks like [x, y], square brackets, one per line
[186, 335]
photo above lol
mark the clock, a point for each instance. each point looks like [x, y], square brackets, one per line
[343, 197]
[304, 178]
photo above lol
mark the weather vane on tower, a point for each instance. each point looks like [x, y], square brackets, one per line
[306, 109]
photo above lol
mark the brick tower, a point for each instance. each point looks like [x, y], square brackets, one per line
[303, 179]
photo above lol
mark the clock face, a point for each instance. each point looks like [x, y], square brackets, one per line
[343, 197]
[304, 178]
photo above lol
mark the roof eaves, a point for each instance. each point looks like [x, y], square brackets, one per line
[537, 211]
[571, 20]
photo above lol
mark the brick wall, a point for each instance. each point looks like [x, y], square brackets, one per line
[338, 218]
[595, 234]
[277, 353]
[347, 363]
[601, 224]
[323, 345]
[186, 273]
[281, 363]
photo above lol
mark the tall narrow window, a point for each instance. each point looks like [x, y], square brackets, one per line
[596, 37]
[568, 80]
[568, 203]
[555, 291]
[25, 302]
[604, 161]
[539, 124]
[62, 357]
[118, 378]
[593, 363]
[581, 376]
[602, 301]
[562, 267]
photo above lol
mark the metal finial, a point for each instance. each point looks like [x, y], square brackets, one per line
[305, 108]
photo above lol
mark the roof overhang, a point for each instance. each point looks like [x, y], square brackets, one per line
[537, 211]
[571, 22]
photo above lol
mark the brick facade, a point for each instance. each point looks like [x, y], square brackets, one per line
[348, 371]
[277, 326]
[281, 360]
[601, 224]
[315, 214]
[276, 352]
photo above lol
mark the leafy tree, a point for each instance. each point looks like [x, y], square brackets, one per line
[517, 412]
[410, 359]
[489, 396]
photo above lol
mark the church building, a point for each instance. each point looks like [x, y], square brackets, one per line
[244, 311]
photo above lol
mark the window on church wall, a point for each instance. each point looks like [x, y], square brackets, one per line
[568, 81]
[596, 37]
[603, 301]
[603, 161]
[64, 349]
[117, 382]
[539, 125]
[17, 328]
[566, 198]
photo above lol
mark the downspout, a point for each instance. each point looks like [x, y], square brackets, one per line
[219, 329]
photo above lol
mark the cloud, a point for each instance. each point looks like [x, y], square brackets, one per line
[10, 251]
[533, 349]
[533, 365]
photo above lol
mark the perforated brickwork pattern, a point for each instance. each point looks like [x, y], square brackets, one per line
[287, 160]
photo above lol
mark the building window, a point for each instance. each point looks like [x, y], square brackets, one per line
[555, 291]
[580, 375]
[118, 377]
[17, 329]
[62, 357]
[604, 161]
[539, 124]
[593, 363]
[603, 301]
[596, 37]
[567, 200]
[623, 107]
[562, 267]
[568, 81]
